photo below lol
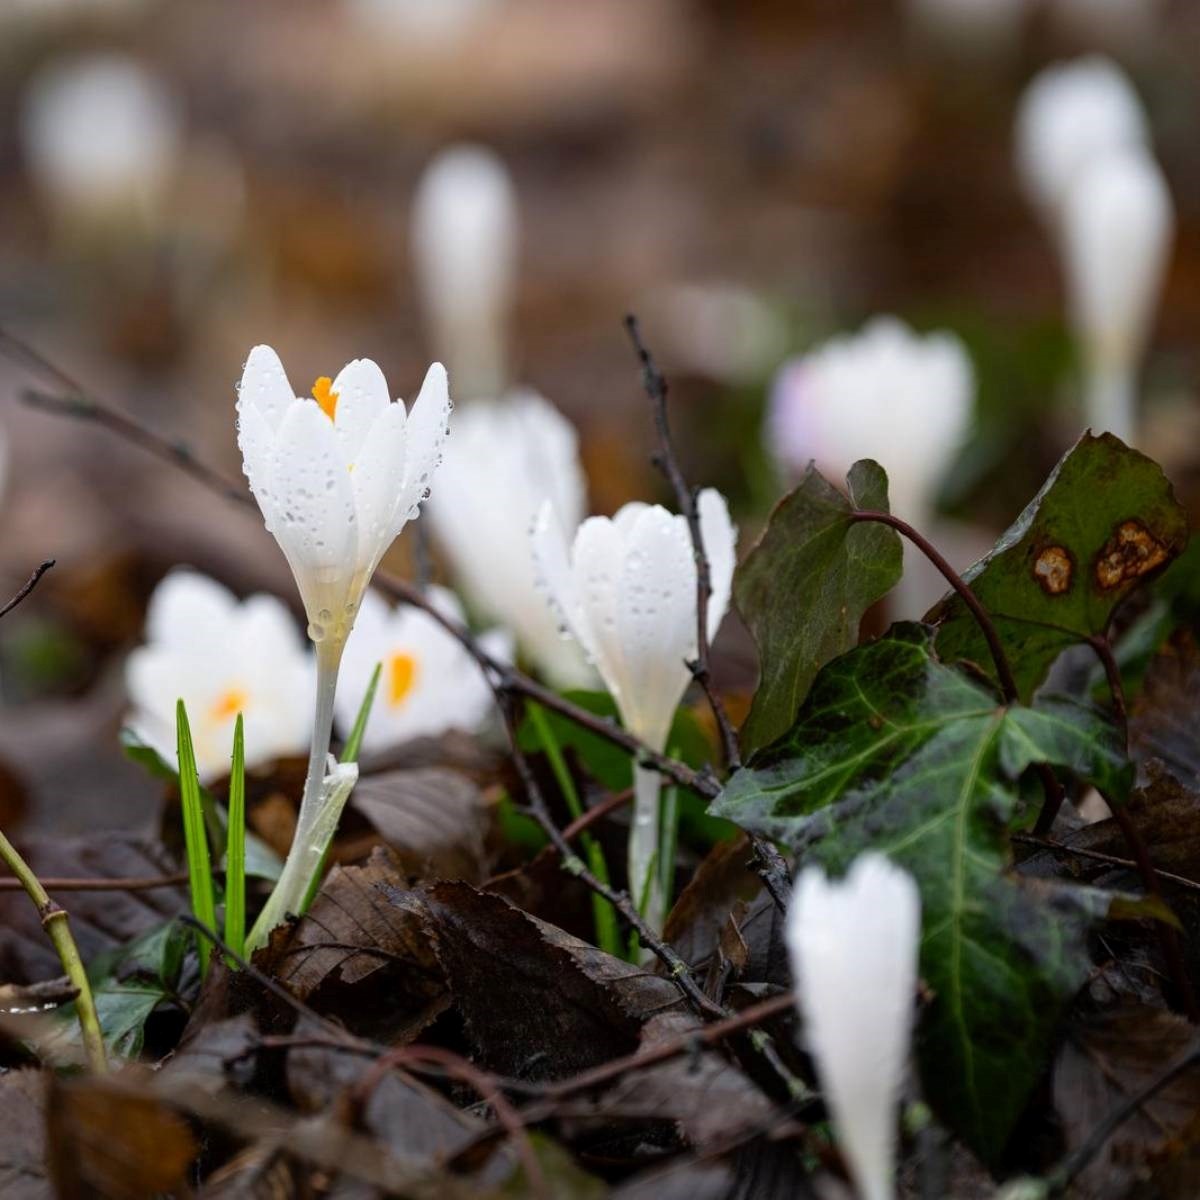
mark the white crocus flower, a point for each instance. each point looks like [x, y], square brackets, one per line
[101, 136]
[505, 458]
[337, 477]
[853, 949]
[222, 658]
[464, 248]
[1071, 114]
[885, 393]
[429, 683]
[1118, 225]
[626, 591]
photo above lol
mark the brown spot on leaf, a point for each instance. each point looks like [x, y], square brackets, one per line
[1130, 553]
[1053, 569]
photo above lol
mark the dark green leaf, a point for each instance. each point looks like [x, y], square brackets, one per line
[1105, 520]
[130, 983]
[896, 752]
[804, 587]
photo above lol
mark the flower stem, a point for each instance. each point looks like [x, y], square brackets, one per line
[644, 846]
[305, 856]
[54, 921]
[1110, 401]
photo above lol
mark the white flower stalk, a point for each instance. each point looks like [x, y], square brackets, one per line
[885, 393]
[853, 949]
[1118, 225]
[337, 477]
[626, 591]
[464, 248]
[222, 658]
[428, 684]
[1070, 115]
[505, 458]
[101, 136]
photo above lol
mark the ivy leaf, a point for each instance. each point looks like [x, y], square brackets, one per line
[896, 752]
[803, 589]
[1105, 519]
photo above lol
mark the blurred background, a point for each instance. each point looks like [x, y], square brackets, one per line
[183, 181]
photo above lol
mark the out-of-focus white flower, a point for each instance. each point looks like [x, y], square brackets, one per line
[464, 248]
[626, 591]
[970, 25]
[505, 458]
[853, 947]
[720, 330]
[1070, 115]
[338, 475]
[222, 658]
[428, 684]
[440, 21]
[885, 393]
[1118, 224]
[101, 136]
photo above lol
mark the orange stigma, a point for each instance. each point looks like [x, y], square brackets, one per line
[325, 396]
[402, 674]
[228, 705]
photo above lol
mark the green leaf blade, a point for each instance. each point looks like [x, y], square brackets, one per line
[194, 836]
[805, 586]
[235, 846]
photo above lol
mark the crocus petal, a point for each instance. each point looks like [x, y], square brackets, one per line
[656, 620]
[853, 946]
[376, 479]
[720, 548]
[260, 451]
[428, 423]
[265, 386]
[597, 556]
[555, 576]
[189, 610]
[362, 395]
[311, 488]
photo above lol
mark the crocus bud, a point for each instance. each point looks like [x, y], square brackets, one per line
[464, 248]
[1071, 114]
[100, 135]
[1118, 223]
[625, 589]
[853, 948]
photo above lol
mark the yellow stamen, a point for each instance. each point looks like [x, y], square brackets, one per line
[229, 705]
[325, 396]
[402, 675]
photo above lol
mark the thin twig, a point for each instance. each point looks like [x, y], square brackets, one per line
[133, 884]
[1008, 683]
[1116, 686]
[1061, 1178]
[686, 498]
[1111, 860]
[596, 813]
[27, 587]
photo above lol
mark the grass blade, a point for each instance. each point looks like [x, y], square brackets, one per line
[235, 847]
[604, 916]
[194, 837]
[354, 741]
